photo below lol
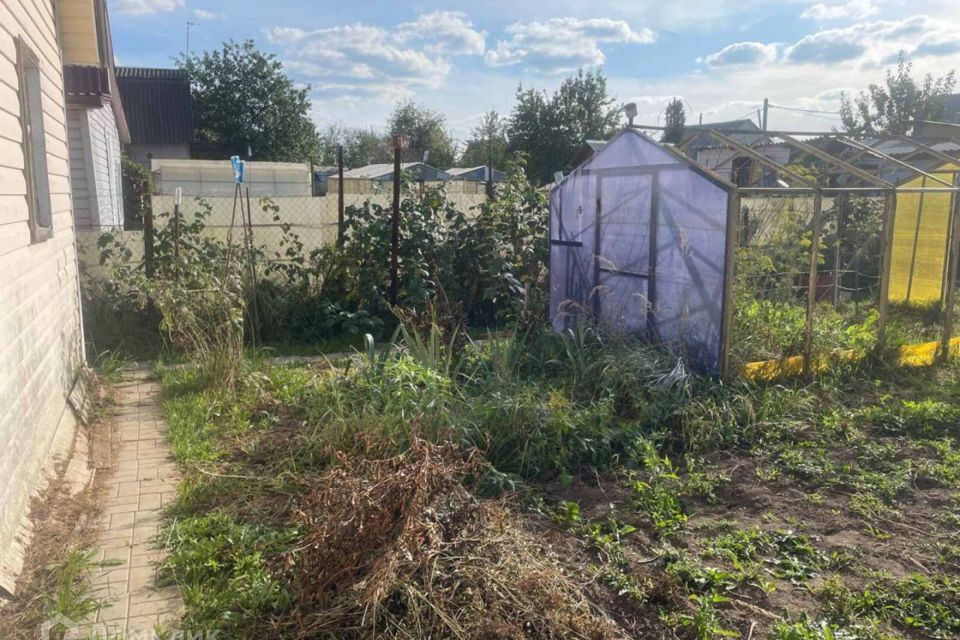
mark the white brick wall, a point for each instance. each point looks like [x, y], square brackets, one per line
[40, 338]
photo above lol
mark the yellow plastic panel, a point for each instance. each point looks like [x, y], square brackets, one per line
[908, 355]
[920, 233]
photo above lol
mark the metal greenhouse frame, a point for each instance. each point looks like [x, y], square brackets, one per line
[814, 173]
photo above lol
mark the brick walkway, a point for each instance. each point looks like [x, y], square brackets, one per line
[142, 481]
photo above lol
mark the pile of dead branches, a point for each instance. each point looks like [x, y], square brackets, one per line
[401, 548]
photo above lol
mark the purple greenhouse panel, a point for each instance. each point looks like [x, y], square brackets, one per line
[638, 238]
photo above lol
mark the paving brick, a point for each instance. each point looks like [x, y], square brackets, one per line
[122, 521]
[149, 501]
[145, 554]
[142, 480]
[141, 626]
[116, 610]
[130, 488]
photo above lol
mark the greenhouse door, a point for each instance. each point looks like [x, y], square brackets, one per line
[624, 264]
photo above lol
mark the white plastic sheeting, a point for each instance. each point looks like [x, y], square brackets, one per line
[638, 242]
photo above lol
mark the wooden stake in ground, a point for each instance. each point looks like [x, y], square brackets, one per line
[398, 144]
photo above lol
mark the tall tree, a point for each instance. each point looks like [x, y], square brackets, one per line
[361, 146]
[426, 130]
[676, 118]
[549, 128]
[533, 131]
[488, 143]
[586, 110]
[243, 99]
[893, 106]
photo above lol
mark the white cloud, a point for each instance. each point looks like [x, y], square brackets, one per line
[444, 32]
[864, 45]
[741, 53]
[876, 43]
[558, 45]
[855, 10]
[825, 47]
[203, 14]
[362, 56]
[143, 7]
[941, 43]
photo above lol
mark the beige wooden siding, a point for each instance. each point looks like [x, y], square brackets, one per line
[40, 343]
[79, 176]
[78, 31]
[105, 147]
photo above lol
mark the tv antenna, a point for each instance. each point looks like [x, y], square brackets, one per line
[189, 24]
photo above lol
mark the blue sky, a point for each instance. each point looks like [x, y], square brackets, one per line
[722, 57]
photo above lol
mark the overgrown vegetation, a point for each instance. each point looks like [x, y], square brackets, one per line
[482, 268]
[562, 486]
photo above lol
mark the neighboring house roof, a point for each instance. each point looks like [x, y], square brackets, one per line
[384, 171]
[93, 86]
[480, 173]
[726, 125]
[158, 105]
[743, 131]
[933, 129]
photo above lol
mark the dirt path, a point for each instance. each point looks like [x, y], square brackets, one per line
[143, 479]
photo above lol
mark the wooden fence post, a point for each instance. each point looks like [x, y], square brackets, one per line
[950, 282]
[148, 241]
[889, 216]
[729, 274]
[341, 231]
[395, 221]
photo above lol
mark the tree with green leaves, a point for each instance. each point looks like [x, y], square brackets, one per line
[547, 129]
[242, 99]
[892, 107]
[361, 146]
[426, 130]
[676, 118]
[488, 143]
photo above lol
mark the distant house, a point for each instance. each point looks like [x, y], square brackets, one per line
[740, 169]
[42, 348]
[384, 172]
[321, 177]
[941, 137]
[96, 126]
[743, 131]
[951, 108]
[483, 173]
[376, 176]
[159, 110]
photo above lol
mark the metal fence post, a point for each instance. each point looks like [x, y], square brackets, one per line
[812, 282]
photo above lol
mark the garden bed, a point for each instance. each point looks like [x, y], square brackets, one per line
[563, 487]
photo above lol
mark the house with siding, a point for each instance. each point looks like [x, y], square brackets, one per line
[159, 113]
[41, 348]
[96, 126]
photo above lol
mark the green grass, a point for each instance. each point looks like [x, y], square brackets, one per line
[558, 412]
[69, 594]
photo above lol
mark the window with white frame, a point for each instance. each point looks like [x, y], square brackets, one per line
[34, 143]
